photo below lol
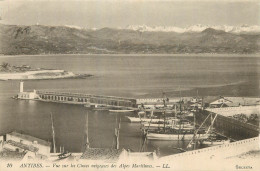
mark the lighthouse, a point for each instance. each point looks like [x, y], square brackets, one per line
[21, 87]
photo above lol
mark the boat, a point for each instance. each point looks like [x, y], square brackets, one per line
[175, 134]
[121, 111]
[97, 107]
[167, 111]
[151, 120]
[64, 155]
[215, 142]
[173, 123]
[154, 125]
[101, 108]
[139, 119]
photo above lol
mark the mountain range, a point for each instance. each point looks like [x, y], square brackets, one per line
[197, 28]
[39, 39]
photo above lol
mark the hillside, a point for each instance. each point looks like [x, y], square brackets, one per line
[37, 39]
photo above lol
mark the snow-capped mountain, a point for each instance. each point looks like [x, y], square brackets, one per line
[73, 26]
[196, 28]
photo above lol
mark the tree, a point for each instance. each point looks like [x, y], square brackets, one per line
[5, 66]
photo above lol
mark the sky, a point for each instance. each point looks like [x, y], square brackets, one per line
[121, 13]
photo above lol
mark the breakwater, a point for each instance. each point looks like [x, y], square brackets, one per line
[80, 98]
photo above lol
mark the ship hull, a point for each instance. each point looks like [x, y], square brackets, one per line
[172, 137]
[121, 111]
[134, 119]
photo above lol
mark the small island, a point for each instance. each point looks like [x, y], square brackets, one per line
[26, 72]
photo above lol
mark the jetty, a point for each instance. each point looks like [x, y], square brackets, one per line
[75, 98]
[78, 98]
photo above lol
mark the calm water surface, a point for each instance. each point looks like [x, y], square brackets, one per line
[127, 76]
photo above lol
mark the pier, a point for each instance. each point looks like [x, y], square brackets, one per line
[80, 98]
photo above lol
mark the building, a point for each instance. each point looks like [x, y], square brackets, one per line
[26, 95]
[22, 143]
[234, 102]
[230, 106]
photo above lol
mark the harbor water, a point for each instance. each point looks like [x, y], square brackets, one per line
[118, 75]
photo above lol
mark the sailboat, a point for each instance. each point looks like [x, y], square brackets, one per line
[63, 154]
[176, 133]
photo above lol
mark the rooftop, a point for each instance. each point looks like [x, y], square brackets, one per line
[11, 155]
[234, 100]
[101, 154]
[23, 146]
[30, 138]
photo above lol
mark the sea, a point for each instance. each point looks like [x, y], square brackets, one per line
[135, 76]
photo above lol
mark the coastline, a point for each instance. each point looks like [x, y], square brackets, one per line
[146, 55]
[41, 75]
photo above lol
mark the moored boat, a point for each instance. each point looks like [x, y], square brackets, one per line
[215, 142]
[175, 135]
[173, 123]
[121, 111]
[139, 119]
[64, 155]
[154, 125]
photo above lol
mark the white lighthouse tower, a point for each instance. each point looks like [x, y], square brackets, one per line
[26, 95]
[21, 86]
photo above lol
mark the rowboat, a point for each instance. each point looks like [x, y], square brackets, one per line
[215, 142]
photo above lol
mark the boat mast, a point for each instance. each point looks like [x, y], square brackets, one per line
[164, 113]
[179, 131]
[194, 118]
[212, 122]
[117, 133]
[53, 135]
[87, 140]
[197, 130]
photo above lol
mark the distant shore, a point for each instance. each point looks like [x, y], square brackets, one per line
[161, 55]
[26, 72]
[40, 75]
